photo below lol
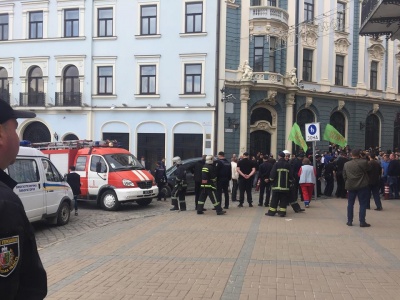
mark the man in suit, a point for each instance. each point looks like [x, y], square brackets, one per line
[74, 181]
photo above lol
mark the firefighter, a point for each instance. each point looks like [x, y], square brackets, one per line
[295, 186]
[209, 187]
[179, 190]
[281, 177]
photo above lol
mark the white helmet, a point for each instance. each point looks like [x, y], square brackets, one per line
[176, 160]
[287, 152]
[209, 159]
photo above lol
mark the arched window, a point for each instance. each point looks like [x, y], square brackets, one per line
[261, 114]
[35, 87]
[372, 132]
[304, 116]
[338, 121]
[71, 95]
[70, 137]
[4, 94]
[37, 132]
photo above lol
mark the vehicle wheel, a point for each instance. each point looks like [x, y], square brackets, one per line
[144, 202]
[165, 191]
[64, 212]
[109, 201]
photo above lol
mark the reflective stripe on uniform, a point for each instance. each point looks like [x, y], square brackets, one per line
[272, 209]
[282, 209]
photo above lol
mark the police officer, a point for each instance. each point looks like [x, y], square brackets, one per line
[22, 275]
[179, 190]
[208, 185]
[160, 177]
[264, 172]
[224, 174]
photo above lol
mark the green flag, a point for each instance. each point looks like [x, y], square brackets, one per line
[297, 138]
[332, 135]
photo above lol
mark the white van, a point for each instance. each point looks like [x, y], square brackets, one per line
[42, 189]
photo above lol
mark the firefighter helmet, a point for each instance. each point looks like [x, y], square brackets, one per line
[176, 160]
[209, 159]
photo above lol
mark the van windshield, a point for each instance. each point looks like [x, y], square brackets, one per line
[123, 161]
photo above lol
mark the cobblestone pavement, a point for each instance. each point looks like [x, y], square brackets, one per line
[241, 255]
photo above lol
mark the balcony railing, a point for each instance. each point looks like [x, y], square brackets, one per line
[32, 99]
[269, 77]
[5, 95]
[270, 13]
[368, 6]
[68, 99]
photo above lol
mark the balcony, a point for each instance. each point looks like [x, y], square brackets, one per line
[32, 99]
[5, 95]
[68, 99]
[268, 77]
[269, 13]
[380, 17]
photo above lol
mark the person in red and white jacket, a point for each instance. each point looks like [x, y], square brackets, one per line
[307, 175]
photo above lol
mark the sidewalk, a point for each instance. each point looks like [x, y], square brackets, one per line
[241, 255]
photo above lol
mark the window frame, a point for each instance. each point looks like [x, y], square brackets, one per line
[339, 70]
[193, 76]
[308, 64]
[36, 24]
[194, 31]
[272, 3]
[4, 28]
[309, 11]
[98, 9]
[255, 55]
[148, 77]
[373, 76]
[149, 18]
[341, 17]
[67, 21]
[100, 77]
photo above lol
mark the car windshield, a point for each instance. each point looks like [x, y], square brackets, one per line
[123, 161]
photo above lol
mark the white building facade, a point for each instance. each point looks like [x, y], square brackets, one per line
[140, 72]
[286, 61]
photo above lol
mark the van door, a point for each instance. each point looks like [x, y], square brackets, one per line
[30, 189]
[97, 174]
[55, 187]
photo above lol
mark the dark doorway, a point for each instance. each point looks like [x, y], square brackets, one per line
[304, 116]
[260, 141]
[152, 147]
[338, 121]
[372, 132]
[121, 138]
[71, 137]
[36, 132]
[188, 145]
[396, 133]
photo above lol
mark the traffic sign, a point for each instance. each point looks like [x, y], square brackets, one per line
[312, 132]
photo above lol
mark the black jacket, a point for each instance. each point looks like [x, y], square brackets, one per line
[160, 175]
[281, 176]
[74, 181]
[394, 168]
[265, 170]
[22, 274]
[224, 170]
[208, 173]
[197, 170]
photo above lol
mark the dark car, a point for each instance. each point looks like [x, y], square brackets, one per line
[189, 166]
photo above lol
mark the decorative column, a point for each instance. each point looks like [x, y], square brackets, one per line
[244, 100]
[289, 114]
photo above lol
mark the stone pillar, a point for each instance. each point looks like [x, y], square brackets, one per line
[244, 100]
[289, 117]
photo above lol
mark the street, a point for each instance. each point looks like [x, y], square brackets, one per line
[152, 253]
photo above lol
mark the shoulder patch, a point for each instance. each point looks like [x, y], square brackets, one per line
[9, 255]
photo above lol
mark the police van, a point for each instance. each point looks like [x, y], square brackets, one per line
[43, 190]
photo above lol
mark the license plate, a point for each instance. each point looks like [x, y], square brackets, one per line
[147, 192]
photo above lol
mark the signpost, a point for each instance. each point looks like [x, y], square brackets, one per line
[313, 134]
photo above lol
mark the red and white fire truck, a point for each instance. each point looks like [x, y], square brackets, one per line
[109, 174]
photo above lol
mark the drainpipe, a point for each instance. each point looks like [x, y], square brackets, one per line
[216, 96]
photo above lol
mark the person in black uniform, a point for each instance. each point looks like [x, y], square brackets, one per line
[263, 173]
[74, 181]
[246, 169]
[339, 164]
[320, 171]
[329, 175]
[160, 176]
[197, 179]
[179, 190]
[224, 175]
[208, 186]
[22, 275]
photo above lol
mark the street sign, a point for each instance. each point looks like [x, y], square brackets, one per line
[312, 132]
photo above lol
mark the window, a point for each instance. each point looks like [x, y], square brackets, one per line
[258, 65]
[374, 76]
[307, 64]
[80, 163]
[51, 172]
[104, 80]
[36, 25]
[98, 162]
[272, 3]
[193, 79]
[105, 22]
[4, 85]
[309, 11]
[272, 54]
[71, 95]
[24, 171]
[194, 17]
[35, 87]
[3, 27]
[255, 2]
[339, 70]
[71, 22]
[341, 16]
[148, 15]
[148, 79]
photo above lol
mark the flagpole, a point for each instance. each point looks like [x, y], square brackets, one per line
[315, 168]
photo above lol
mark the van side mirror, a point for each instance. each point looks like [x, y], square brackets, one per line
[98, 167]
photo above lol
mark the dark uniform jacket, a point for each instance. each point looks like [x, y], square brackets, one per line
[265, 170]
[375, 172]
[74, 181]
[160, 175]
[180, 175]
[197, 170]
[394, 168]
[208, 173]
[224, 170]
[22, 275]
[281, 176]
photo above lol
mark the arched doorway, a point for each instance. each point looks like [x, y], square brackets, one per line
[260, 141]
[304, 116]
[37, 132]
[396, 133]
[338, 121]
[71, 87]
[372, 132]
